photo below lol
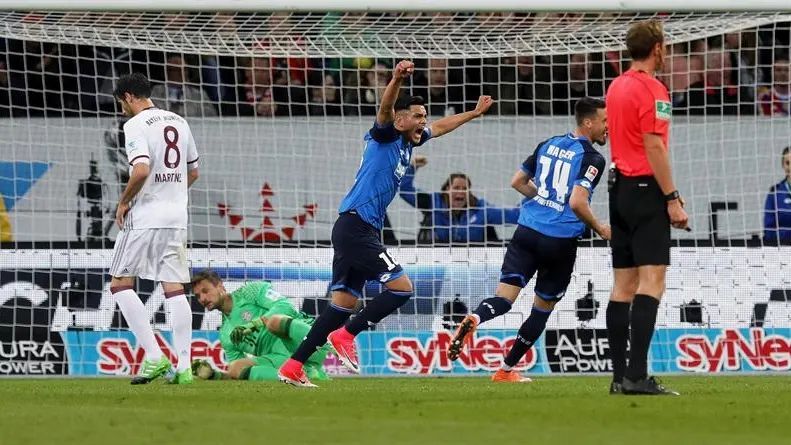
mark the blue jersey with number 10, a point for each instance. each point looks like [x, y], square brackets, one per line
[557, 165]
[385, 160]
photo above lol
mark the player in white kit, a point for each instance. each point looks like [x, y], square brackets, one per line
[152, 215]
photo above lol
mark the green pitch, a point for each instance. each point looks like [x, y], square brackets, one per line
[713, 410]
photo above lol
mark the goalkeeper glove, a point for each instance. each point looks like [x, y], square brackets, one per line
[202, 370]
[240, 332]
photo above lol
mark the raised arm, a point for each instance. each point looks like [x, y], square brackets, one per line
[450, 123]
[386, 113]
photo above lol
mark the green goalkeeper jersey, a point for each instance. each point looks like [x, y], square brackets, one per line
[253, 300]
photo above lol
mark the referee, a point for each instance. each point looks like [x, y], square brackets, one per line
[644, 203]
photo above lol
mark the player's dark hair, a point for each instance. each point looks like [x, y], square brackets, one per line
[586, 108]
[205, 275]
[135, 84]
[405, 101]
[642, 37]
[786, 151]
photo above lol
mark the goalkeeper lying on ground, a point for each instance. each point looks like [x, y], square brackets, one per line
[260, 330]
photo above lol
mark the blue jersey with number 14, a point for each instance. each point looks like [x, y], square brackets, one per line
[557, 165]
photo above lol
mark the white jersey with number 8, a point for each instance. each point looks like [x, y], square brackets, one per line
[162, 140]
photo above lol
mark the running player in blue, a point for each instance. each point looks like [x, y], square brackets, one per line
[359, 253]
[558, 181]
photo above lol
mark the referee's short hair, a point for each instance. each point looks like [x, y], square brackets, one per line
[587, 108]
[642, 37]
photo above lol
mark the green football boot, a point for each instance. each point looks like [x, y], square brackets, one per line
[183, 378]
[150, 371]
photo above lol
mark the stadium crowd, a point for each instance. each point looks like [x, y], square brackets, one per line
[742, 73]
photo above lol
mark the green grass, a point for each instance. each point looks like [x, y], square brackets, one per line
[713, 410]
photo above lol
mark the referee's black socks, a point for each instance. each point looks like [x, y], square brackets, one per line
[644, 310]
[618, 334]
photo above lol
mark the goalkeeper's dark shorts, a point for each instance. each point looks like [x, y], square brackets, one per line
[640, 223]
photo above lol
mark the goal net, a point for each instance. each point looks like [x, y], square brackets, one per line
[279, 103]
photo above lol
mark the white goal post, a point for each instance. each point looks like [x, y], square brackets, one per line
[276, 162]
[401, 6]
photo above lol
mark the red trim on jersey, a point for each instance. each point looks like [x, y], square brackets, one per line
[175, 293]
[132, 162]
[116, 289]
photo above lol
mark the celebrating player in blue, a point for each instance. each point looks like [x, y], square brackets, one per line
[359, 253]
[558, 180]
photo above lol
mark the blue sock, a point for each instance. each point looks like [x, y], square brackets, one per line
[529, 332]
[492, 307]
[331, 319]
[380, 307]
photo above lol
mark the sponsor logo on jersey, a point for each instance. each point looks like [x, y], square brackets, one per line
[592, 172]
[663, 110]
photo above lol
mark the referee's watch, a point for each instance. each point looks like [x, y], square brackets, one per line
[672, 195]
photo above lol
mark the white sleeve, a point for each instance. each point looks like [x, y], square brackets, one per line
[136, 145]
[192, 153]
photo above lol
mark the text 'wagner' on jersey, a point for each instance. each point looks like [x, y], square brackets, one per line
[557, 165]
[163, 140]
[385, 160]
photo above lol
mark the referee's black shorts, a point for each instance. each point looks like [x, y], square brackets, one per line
[640, 223]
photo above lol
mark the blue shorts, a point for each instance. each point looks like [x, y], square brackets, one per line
[359, 255]
[553, 258]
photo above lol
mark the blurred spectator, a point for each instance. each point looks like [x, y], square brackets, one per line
[373, 86]
[741, 47]
[293, 70]
[777, 210]
[40, 83]
[177, 95]
[575, 84]
[256, 95]
[453, 215]
[681, 71]
[518, 86]
[442, 88]
[715, 94]
[325, 97]
[363, 88]
[774, 100]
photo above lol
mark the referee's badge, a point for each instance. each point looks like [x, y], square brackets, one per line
[663, 110]
[591, 174]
